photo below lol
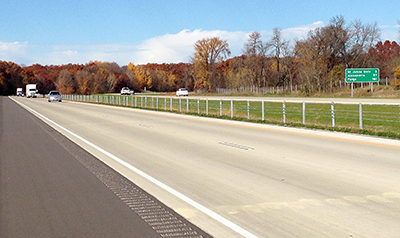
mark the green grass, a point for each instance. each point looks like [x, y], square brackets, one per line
[379, 120]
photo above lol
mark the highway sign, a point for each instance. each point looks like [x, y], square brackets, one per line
[362, 75]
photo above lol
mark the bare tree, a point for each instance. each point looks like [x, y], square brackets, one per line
[279, 46]
[362, 38]
[256, 52]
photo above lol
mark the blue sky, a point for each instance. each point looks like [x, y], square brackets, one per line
[164, 31]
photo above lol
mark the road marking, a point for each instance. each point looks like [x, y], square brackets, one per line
[167, 188]
[236, 145]
[144, 125]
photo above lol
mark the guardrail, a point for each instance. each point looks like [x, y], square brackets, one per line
[379, 118]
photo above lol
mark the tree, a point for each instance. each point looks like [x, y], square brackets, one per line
[208, 52]
[255, 67]
[385, 57]
[362, 38]
[100, 81]
[396, 81]
[111, 82]
[335, 44]
[279, 46]
[10, 77]
[142, 76]
[84, 81]
[65, 83]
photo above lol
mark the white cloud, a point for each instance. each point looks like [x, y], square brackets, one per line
[295, 33]
[300, 32]
[14, 51]
[174, 48]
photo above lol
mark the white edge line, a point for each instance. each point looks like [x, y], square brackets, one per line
[179, 195]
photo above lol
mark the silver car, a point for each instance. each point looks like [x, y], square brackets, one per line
[55, 95]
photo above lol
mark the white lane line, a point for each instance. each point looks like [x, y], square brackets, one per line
[236, 145]
[179, 195]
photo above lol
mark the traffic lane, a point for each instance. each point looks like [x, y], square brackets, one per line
[168, 130]
[246, 187]
[46, 192]
[340, 172]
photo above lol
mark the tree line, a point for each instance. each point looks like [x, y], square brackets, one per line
[316, 63]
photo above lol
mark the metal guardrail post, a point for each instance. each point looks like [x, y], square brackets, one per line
[198, 106]
[220, 107]
[207, 106]
[361, 116]
[170, 105]
[284, 111]
[333, 114]
[187, 105]
[180, 104]
[304, 113]
[248, 109]
[263, 110]
[157, 103]
[231, 108]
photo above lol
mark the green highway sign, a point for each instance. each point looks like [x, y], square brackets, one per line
[362, 75]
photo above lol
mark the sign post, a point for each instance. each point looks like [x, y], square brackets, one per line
[369, 75]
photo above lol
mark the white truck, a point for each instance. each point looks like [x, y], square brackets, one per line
[20, 92]
[31, 90]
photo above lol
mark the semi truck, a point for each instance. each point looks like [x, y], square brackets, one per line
[20, 92]
[31, 90]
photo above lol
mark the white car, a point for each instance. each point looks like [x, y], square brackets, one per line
[126, 91]
[182, 92]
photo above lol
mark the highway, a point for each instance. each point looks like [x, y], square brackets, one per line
[237, 179]
[50, 187]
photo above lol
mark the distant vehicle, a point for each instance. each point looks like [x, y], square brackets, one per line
[127, 91]
[31, 90]
[182, 92]
[20, 92]
[55, 95]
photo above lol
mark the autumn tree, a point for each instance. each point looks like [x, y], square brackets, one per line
[386, 57]
[100, 81]
[10, 77]
[336, 44]
[396, 81]
[166, 81]
[111, 81]
[141, 76]
[208, 52]
[84, 81]
[65, 82]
